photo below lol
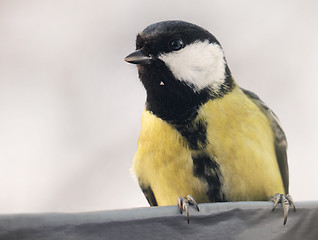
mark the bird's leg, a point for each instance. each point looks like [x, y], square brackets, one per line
[286, 201]
[183, 204]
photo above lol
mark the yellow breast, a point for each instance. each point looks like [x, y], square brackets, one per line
[240, 139]
[164, 162]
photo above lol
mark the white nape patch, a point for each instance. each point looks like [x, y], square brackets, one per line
[200, 64]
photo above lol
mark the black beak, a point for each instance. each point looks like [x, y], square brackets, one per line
[138, 57]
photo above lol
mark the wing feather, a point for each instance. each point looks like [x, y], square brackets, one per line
[149, 195]
[280, 138]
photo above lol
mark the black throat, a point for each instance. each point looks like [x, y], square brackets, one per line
[171, 99]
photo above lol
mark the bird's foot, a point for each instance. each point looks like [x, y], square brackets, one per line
[286, 201]
[183, 204]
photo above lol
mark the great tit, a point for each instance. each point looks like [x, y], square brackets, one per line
[203, 138]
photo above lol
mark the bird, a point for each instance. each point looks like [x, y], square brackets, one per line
[203, 138]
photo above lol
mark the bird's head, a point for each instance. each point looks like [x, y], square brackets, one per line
[181, 66]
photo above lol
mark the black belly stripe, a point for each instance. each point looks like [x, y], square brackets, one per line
[149, 195]
[206, 168]
[194, 133]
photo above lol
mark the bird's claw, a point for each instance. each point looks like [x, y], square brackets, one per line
[286, 201]
[183, 204]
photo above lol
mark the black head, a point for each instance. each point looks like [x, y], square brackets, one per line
[158, 38]
[181, 66]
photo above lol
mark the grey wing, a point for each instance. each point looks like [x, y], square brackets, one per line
[280, 138]
[149, 195]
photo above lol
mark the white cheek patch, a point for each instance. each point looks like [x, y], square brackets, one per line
[200, 64]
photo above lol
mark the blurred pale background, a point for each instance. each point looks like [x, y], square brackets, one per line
[70, 107]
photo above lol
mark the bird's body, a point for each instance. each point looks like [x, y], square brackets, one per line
[239, 140]
[202, 134]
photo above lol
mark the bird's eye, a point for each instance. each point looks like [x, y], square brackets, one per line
[176, 44]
